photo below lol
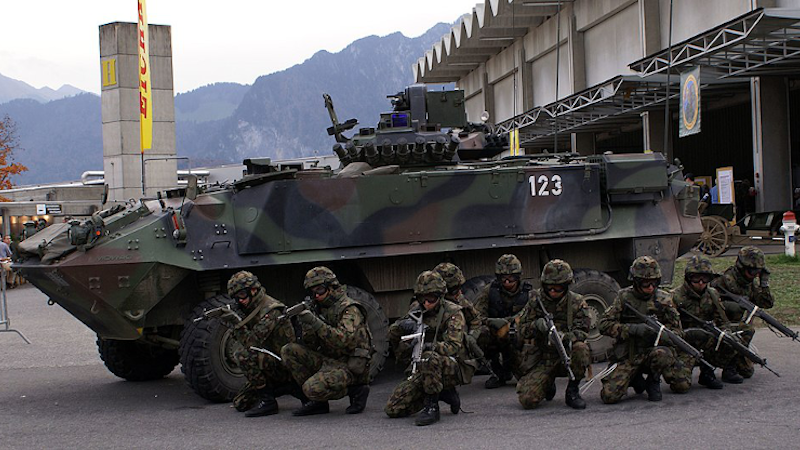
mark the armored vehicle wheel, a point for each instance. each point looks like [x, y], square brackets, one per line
[136, 361]
[599, 290]
[206, 354]
[475, 285]
[378, 326]
[714, 239]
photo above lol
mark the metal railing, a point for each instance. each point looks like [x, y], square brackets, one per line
[5, 322]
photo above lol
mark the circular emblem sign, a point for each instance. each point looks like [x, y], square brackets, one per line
[690, 103]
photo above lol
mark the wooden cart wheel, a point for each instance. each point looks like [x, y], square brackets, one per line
[714, 240]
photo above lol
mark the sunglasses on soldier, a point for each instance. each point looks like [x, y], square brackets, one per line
[318, 290]
[697, 279]
[243, 294]
[429, 298]
[555, 288]
[647, 283]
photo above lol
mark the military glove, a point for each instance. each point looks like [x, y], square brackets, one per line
[764, 278]
[696, 336]
[496, 323]
[407, 325]
[640, 330]
[541, 325]
[733, 309]
[310, 319]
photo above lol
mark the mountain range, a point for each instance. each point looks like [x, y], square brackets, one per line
[281, 115]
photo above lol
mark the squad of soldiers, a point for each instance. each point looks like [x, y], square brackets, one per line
[512, 330]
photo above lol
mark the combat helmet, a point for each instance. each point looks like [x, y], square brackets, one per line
[508, 264]
[699, 264]
[557, 271]
[240, 281]
[430, 282]
[320, 275]
[451, 274]
[645, 267]
[751, 258]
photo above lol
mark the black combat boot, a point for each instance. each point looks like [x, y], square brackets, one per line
[450, 396]
[731, 376]
[498, 378]
[358, 398]
[550, 391]
[311, 408]
[266, 405]
[653, 387]
[708, 379]
[637, 383]
[430, 412]
[573, 396]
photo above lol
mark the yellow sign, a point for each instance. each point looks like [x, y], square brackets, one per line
[145, 88]
[109, 72]
[513, 142]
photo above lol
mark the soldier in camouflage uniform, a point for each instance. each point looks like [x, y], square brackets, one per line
[570, 315]
[634, 350]
[696, 297]
[454, 279]
[442, 365]
[333, 358]
[498, 305]
[261, 328]
[740, 279]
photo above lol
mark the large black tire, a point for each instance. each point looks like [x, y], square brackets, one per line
[475, 285]
[206, 354]
[599, 290]
[136, 361]
[378, 325]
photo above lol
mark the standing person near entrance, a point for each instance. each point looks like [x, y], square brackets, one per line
[570, 315]
[6, 257]
[635, 350]
[259, 332]
[499, 304]
[749, 277]
[333, 358]
[442, 363]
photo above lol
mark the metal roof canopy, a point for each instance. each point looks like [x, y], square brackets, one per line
[761, 42]
[614, 103]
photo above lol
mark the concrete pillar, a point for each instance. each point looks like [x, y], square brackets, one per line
[653, 131]
[122, 158]
[772, 160]
[583, 143]
[488, 95]
[577, 54]
[650, 24]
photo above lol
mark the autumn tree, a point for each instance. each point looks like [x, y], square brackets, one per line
[8, 143]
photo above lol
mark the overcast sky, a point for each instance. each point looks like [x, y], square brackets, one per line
[55, 42]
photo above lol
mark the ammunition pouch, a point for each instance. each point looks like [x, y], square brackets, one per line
[358, 362]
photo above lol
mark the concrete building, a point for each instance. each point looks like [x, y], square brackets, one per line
[599, 75]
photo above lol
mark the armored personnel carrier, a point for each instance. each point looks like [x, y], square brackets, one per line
[413, 191]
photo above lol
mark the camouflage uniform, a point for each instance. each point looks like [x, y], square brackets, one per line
[335, 349]
[502, 347]
[707, 306]
[454, 278]
[570, 315]
[261, 328]
[634, 354]
[443, 364]
[734, 281]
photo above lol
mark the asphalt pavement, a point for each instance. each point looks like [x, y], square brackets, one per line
[56, 393]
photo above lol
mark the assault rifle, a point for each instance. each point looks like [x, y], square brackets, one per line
[224, 313]
[730, 339]
[676, 340]
[419, 335]
[294, 311]
[555, 339]
[755, 311]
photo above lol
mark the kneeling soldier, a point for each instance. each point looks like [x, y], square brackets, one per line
[634, 350]
[262, 335]
[333, 359]
[438, 355]
[570, 316]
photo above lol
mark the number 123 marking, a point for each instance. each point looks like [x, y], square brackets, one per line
[544, 185]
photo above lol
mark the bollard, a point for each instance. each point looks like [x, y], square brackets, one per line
[789, 228]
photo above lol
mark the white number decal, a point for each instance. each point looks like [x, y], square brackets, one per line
[544, 182]
[543, 186]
